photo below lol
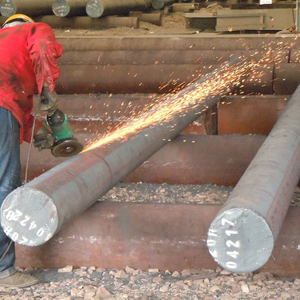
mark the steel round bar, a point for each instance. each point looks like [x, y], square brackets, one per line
[242, 236]
[64, 8]
[8, 8]
[101, 8]
[32, 214]
[33, 7]
[89, 23]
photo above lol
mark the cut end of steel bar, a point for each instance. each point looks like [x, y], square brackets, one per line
[8, 8]
[240, 240]
[94, 9]
[61, 8]
[158, 4]
[29, 217]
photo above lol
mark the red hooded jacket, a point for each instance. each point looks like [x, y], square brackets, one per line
[28, 57]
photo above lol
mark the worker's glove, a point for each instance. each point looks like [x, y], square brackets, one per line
[43, 139]
[48, 101]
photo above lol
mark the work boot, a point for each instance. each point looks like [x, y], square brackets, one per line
[18, 280]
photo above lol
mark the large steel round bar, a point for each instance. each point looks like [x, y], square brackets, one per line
[130, 79]
[33, 7]
[101, 8]
[89, 23]
[8, 8]
[187, 42]
[32, 214]
[241, 237]
[159, 57]
[64, 8]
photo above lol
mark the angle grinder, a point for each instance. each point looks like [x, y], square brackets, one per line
[65, 144]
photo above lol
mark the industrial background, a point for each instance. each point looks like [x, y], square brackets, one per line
[124, 58]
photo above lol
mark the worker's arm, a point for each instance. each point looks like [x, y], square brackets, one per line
[48, 101]
[44, 51]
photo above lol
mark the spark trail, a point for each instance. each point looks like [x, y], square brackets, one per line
[190, 96]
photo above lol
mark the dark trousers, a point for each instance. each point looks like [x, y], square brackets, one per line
[10, 179]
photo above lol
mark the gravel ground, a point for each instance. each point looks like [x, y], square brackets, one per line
[98, 283]
[91, 283]
[167, 193]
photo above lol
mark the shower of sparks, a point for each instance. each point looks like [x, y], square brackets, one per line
[187, 96]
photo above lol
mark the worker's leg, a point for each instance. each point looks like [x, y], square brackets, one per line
[10, 179]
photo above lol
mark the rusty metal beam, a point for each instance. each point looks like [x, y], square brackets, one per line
[188, 159]
[206, 42]
[251, 114]
[67, 190]
[88, 23]
[241, 238]
[100, 114]
[129, 79]
[286, 78]
[124, 234]
[129, 237]
[161, 57]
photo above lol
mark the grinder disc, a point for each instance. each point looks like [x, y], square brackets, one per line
[66, 148]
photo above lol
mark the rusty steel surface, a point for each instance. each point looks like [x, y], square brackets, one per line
[121, 234]
[162, 57]
[286, 78]
[241, 238]
[100, 114]
[207, 41]
[250, 114]
[68, 189]
[144, 235]
[191, 159]
[294, 56]
[128, 79]
[88, 23]
[188, 159]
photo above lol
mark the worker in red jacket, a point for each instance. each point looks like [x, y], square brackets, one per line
[28, 65]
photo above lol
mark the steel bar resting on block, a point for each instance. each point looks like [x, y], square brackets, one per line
[32, 214]
[242, 236]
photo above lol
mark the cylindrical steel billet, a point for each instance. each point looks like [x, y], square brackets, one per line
[153, 18]
[158, 4]
[190, 42]
[101, 8]
[159, 57]
[34, 7]
[63, 8]
[129, 79]
[67, 190]
[8, 8]
[242, 236]
[88, 23]
[184, 7]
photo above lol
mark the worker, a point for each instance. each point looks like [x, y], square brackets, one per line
[28, 65]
